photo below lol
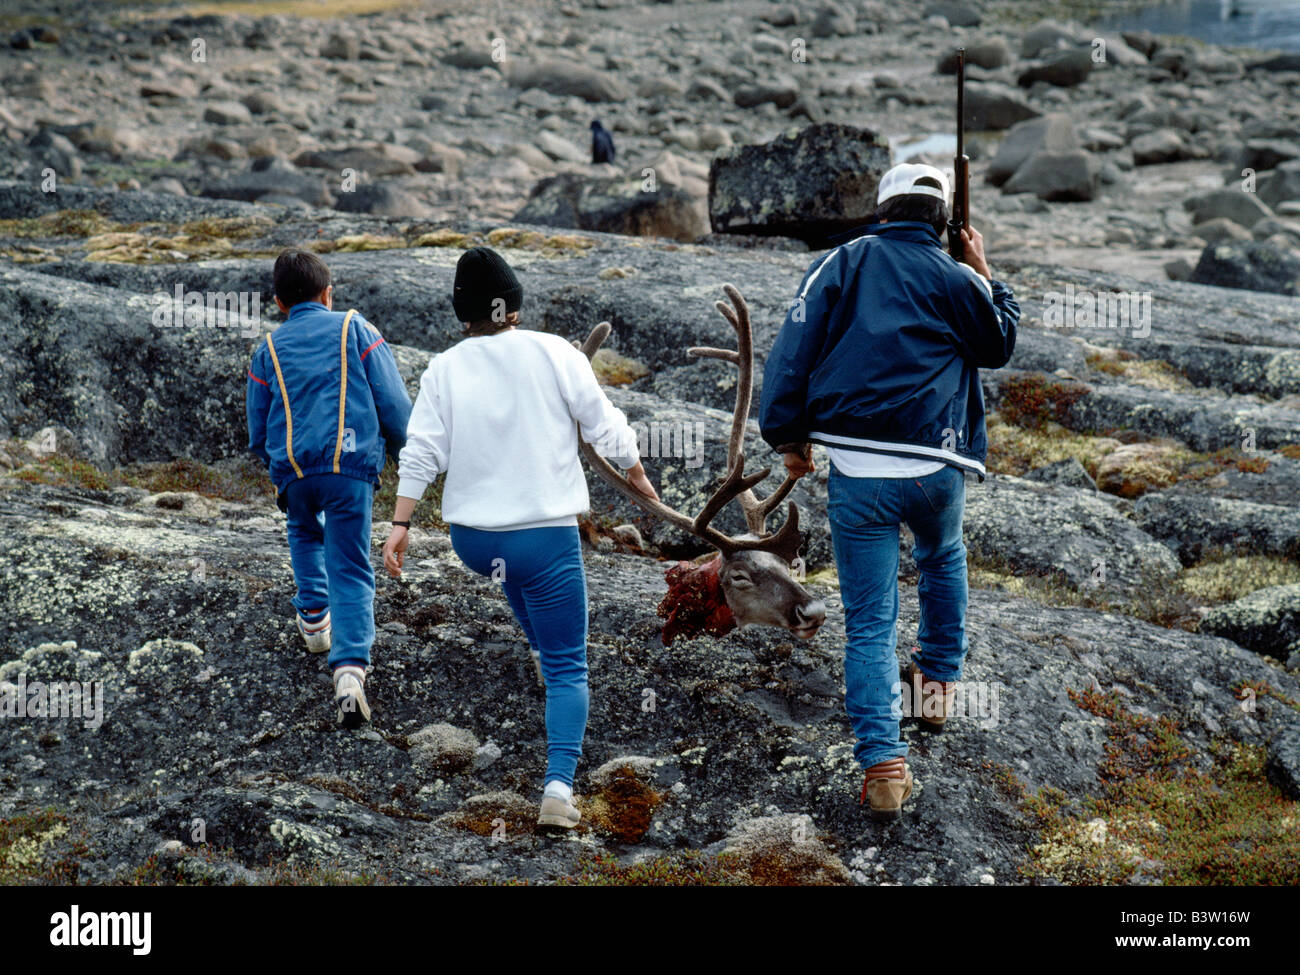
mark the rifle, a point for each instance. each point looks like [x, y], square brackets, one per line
[960, 217]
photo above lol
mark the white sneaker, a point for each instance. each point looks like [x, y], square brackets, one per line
[315, 635]
[350, 696]
[558, 812]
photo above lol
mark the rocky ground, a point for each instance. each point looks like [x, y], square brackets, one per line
[1135, 620]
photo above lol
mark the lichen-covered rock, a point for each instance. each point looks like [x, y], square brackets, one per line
[1197, 525]
[1265, 621]
[783, 850]
[811, 184]
[443, 748]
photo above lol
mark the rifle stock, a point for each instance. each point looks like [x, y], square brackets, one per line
[959, 218]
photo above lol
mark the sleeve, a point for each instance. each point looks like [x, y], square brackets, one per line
[783, 406]
[600, 422]
[392, 402]
[257, 403]
[987, 316]
[428, 440]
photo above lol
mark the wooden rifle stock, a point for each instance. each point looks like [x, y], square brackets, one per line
[959, 219]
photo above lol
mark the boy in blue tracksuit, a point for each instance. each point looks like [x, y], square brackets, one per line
[878, 361]
[325, 403]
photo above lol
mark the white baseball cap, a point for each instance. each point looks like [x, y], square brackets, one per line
[902, 179]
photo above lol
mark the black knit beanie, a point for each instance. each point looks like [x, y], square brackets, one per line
[482, 276]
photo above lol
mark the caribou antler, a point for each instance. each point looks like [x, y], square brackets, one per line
[785, 542]
[756, 511]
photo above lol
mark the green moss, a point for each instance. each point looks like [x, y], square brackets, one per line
[40, 847]
[1161, 813]
[687, 869]
[1017, 450]
[64, 223]
[1231, 577]
[65, 472]
[1151, 373]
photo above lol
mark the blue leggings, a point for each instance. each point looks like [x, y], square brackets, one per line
[540, 570]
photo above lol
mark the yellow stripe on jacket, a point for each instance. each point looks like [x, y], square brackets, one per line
[343, 386]
[288, 414]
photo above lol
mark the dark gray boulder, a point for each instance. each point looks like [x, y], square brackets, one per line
[1195, 526]
[991, 106]
[1265, 621]
[614, 205]
[1065, 69]
[1256, 265]
[810, 185]
[1050, 133]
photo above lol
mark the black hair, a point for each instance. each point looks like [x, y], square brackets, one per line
[300, 276]
[917, 207]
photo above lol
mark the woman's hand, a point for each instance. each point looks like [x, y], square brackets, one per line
[395, 551]
[636, 476]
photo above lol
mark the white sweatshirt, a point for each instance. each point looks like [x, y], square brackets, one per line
[501, 415]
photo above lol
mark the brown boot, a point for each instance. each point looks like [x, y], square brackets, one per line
[932, 699]
[887, 786]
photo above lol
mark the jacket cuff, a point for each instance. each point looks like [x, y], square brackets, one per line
[411, 487]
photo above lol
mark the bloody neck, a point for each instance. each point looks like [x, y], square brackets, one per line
[695, 602]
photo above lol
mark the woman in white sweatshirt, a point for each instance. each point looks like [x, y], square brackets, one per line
[501, 412]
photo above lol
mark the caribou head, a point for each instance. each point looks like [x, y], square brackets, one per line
[747, 582]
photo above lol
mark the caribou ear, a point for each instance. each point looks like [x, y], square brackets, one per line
[787, 542]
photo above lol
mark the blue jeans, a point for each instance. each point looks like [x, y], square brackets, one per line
[329, 545]
[541, 571]
[865, 513]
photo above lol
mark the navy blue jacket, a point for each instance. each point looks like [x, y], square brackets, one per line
[324, 396]
[881, 350]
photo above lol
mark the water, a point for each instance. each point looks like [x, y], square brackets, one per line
[1264, 24]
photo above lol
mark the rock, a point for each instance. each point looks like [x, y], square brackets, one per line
[984, 52]
[383, 199]
[1220, 229]
[1241, 208]
[450, 160]
[991, 106]
[1134, 469]
[1070, 175]
[377, 159]
[1065, 69]
[958, 14]
[187, 503]
[1197, 527]
[1283, 763]
[269, 177]
[260, 103]
[469, 56]
[1049, 133]
[780, 90]
[1287, 61]
[566, 78]
[713, 137]
[1046, 36]
[1178, 61]
[832, 20]
[809, 185]
[1265, 621]
[227, 113]
[1280, 184]
[1252, 265]
[1118, 51]
[1054, 531]
[341, 47]
[442, 748]
[614, 205]
[706, 89]
[560, 149]
[784, 850]
[1260, 154]
[1069, 473]
[1160, 146]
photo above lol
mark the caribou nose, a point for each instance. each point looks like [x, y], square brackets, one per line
[809, 617]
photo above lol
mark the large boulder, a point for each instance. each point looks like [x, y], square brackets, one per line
[269, 177]
[1065, 69]
[1196, 526]
[1045, 36]
[1265, 621]
[1050, 133]
[810, 185]
[991, 107]
[615, 205]
[379, 159]
[1071, 175]
[566, 78]
[1240, 207]
[1255, 265]
[1280, 184]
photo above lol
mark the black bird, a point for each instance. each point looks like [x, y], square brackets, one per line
[602, 143]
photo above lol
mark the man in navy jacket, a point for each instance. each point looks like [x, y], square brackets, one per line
[878, 361]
